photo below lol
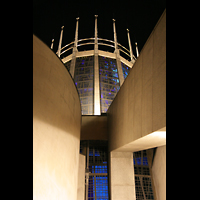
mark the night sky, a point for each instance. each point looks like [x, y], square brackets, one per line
[139, 16]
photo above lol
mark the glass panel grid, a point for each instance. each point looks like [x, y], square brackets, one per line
[91, 189]
[143, 184]
[109, 81]
[98, 176]
[101, 187]
[98, 169]
[83, 79]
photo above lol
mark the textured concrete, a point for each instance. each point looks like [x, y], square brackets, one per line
[122, 183]
[159, 172]
[139, 108]
[56, 127]
[81, 178]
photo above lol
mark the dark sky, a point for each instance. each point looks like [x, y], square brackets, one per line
[139, 16]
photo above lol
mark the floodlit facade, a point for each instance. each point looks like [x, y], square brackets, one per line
[99, 119]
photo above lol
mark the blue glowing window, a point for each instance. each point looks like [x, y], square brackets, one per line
[115, 75]
[125, 70]
[138, 160]
[96, 153]
[108, 79]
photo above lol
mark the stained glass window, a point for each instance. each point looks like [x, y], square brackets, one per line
[83, 79]
[109, 81]
[98, 176]
[125, 70]
[143, 185]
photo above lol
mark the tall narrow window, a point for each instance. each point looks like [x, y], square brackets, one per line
[83, 79]
[96, 161]
[109, 81]
[143, 180]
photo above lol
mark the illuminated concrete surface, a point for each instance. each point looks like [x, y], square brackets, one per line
[122, 182]
[81, 178]
[56, 127]
[137, 117]
[155, 139]
[159, 172]
[139, 108]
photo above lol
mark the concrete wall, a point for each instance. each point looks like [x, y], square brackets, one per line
[139, 108]
[81, 178]
[159, 172]
[121, 176]
[94, 127]
[56, 127]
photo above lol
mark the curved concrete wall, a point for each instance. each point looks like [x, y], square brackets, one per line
[56, 127]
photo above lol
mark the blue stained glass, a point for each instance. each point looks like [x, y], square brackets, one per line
[117, 80]
[96, 154]
[138, 161]
[115, 75]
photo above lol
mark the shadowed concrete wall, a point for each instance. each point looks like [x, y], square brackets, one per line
[139, 108]
[94, 127]
[56, 127]
[159, 172]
